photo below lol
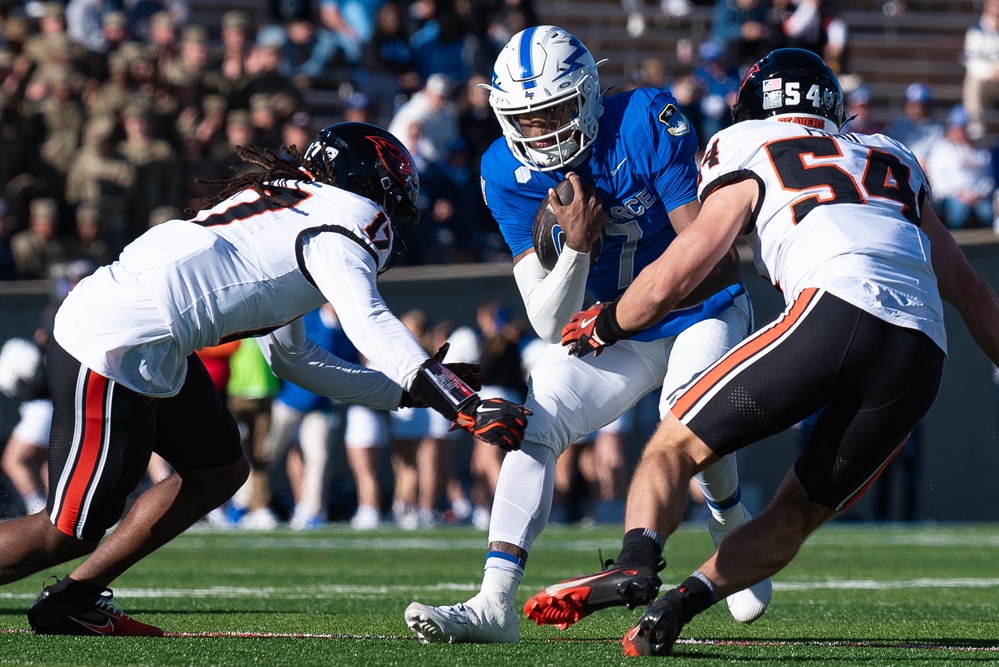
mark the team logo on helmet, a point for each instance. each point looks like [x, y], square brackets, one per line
[400, 168]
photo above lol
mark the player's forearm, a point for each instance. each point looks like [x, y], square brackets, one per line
[307, 365]
[979, 309]
[726, 272]
[551, 299]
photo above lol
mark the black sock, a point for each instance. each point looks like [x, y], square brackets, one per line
[75, 590]
[699, 596]
[640, 548]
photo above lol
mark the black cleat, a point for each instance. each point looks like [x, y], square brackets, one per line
[53, 614]
[659, 626]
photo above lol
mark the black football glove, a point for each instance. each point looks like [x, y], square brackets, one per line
[494, 420]
[469, 374]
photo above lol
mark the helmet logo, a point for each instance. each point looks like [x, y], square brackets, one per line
[400, 168]
[829, 99]
[571, 62]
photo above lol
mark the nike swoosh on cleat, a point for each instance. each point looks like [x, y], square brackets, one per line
[574, 583]
[105, 629]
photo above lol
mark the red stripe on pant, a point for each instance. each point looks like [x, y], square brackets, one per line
[751, 347]
[89, 453]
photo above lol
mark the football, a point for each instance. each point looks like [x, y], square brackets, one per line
[548, 236]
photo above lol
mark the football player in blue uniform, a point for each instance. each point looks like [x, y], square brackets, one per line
[631, 161]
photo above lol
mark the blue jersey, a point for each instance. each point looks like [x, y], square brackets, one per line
[642, 165]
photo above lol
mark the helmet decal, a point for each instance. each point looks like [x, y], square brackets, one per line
[400, 166]
[572, 60]
[526, 70]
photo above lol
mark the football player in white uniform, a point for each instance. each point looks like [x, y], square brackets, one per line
[125, 380]
[636, 150]
[842, 224]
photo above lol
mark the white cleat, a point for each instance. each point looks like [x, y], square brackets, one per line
[463, 623]
[747, 605]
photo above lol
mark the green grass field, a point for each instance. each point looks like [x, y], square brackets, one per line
[857, 595]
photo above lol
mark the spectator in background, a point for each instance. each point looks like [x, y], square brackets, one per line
[51, 43]
[960, 174]
[227, 71]
[90, 244]
[501, 364]
[718, 81]
[858, 112]
[264, 77]
[436, 115]
[85, 21]
[357, 108]
[156, 179]
[184, 76]
[477, 123]
[387, 59]
[8, 267]
[265, 123]
[365, 437]
[915, 126]
[55, 90]
[299, 415]
[408, 427]
[163, 40]
[22, 377]
[216, 360]
[101, 175]
[252, 386]
[348, 25]
[37, 249]
[442, 45]
[305, 53]
[981, 62]
[743, 26]
[813, 25]
[297, 131]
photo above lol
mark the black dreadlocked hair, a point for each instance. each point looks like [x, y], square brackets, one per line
[272, 167]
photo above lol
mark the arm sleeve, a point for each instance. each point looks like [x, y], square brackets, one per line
[296, 359]
[553, 298]
[345, 273]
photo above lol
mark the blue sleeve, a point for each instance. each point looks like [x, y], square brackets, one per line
[513, 205]
[674, 149]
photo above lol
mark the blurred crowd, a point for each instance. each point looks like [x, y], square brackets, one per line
[951, 142]
[118, 114]
[114, 114]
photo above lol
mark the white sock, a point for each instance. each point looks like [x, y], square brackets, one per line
[501, 583]
[719, 483]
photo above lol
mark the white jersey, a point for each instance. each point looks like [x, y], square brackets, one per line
[242, 268]
[838, 212]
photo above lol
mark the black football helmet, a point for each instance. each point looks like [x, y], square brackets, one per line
[369, 161]
[789, 81]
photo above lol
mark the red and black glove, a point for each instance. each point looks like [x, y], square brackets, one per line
[469, 373]
[494, 420]
[593, 329]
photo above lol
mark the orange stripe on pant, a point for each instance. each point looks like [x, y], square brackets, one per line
[741, 353]
[85, 464]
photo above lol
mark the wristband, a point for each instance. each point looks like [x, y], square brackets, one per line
[440, 388]
[606, 327]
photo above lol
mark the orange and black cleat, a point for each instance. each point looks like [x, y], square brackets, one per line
[567, 602]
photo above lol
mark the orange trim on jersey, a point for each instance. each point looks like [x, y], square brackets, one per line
[713, 376]
[89, 454]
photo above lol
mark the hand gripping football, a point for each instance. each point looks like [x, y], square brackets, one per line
[549, 239]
